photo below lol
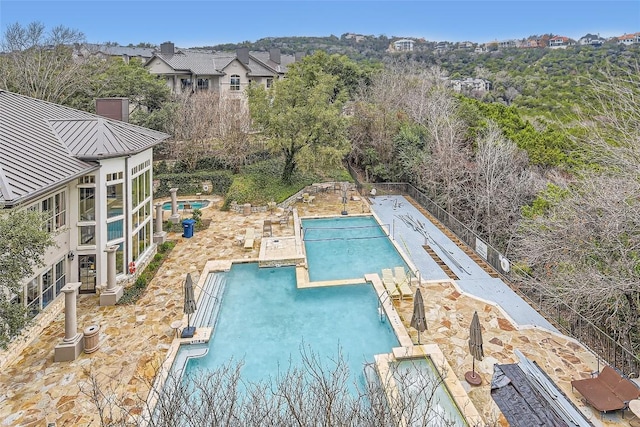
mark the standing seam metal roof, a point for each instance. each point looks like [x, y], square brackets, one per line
[43, 144]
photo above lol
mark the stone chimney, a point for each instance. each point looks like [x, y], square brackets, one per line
[113, 108]
[243, 55]
[167, 48]
[274, 55]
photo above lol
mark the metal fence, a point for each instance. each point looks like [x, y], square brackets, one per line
[561, 315]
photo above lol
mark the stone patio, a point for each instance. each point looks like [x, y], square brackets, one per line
[135, 340]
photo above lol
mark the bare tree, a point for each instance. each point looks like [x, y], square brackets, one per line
[315, 392]
[502, 184]
[40, 64]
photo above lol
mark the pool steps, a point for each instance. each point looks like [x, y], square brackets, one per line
[209, 301]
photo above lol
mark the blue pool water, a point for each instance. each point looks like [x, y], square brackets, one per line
[347, 248]
[195, 204]
[264, 320]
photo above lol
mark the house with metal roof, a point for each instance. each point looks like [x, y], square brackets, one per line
[226, 73]
[91, 177]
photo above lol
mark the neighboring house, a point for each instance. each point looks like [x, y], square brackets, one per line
[559, 42]
[109, 51]
[470, 84]
[591, 40]
[629, 39]
[92, 178]
[221, 72]
[505, 44]
[403, 45]
[531, 43]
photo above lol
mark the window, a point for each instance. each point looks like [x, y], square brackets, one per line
[87, 208]
[203, 84]
[269, 83]
[114, 200]
[90, 179]
[47, 287]
[87, 235]
[185, 83]
[33, 297]
[115, 230]
[235, 82]
[55, 211]
[61, 277]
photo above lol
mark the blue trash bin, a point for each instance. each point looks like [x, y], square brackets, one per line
[188, 225]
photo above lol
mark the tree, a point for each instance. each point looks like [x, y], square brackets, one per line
[24, 242]
[130, 79]
[302, 117]
[40, 64]
[314, 393]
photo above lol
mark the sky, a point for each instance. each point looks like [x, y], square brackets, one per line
[207, 23]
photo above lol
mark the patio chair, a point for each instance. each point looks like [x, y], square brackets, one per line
[284, 218]
[402, 282]
[307, 198]
[389, 283]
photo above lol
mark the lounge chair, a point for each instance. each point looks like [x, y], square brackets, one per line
[249, 237]
[402, 282]
[284, 218]
[389, 283]
[609, 391]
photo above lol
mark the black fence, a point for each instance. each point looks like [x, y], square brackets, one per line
[562, 316]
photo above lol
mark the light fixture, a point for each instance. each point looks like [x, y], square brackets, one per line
[71, 255]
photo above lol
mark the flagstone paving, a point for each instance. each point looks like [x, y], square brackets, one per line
[134, 340]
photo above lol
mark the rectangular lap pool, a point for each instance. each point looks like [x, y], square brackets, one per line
[347, 248]
[193, 204]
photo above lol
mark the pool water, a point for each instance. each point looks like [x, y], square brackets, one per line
[195, 204]
[413, 377]
[264, 321]
[347, 248]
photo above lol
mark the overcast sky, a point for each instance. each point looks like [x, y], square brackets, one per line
[200, 23]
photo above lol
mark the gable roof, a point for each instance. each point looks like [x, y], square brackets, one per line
[45, 144]
[214, 63]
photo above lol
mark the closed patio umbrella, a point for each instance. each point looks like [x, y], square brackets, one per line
[189, 306]
[475, 348]
[418, 320]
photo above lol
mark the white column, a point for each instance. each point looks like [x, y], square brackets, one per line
[175, 217]
[111, 267]
[72, 344]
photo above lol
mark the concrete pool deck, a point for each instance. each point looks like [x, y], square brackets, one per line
[135, 340]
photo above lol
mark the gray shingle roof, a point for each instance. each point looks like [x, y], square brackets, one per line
[44, 144]
[214, 63]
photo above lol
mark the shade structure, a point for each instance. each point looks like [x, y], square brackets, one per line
[418, 320]
[475, 348]
[189, 306]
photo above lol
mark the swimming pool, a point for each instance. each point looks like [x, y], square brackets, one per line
[413, 377]
[347, 248]
[195, 204]
[265, 321]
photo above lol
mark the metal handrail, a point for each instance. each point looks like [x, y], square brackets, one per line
[561, 315]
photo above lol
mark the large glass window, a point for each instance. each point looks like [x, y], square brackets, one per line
[235, 82]
[269, 83]
[33, 297]
[47, 287]
[120, 259]
[61, 276]
[60, 210]
[87, 208]
[114, 199]
[203, 84]
[87, 235]
[115, 229]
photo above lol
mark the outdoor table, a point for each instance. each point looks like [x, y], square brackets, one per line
[175, 325]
